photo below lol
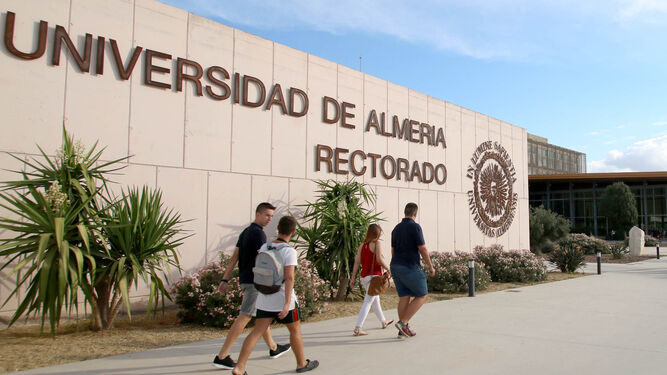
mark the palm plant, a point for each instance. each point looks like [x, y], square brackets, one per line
[333, 228]
[55, 205]
[69, 236]
[142, 238]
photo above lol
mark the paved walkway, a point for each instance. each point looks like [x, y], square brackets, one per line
[615, 323]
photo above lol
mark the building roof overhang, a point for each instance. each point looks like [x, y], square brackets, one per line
[599, 177]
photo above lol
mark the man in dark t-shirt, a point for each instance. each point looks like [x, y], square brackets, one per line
[407, 251]
[247, 246]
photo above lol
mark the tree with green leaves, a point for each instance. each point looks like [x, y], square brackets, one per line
[63, 236]
[618, 204]
[546, 228]
[334, 227]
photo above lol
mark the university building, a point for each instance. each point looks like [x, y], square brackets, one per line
[221, 120]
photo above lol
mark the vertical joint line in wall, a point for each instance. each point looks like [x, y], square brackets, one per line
[308, 93]
[185, 91]
[69, 31]
[231, 104]
[129, 114]
[208, 199]
[337, 98]
[273, 80]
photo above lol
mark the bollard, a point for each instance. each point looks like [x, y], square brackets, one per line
[471, 278]
[599, 263]
[657, 249]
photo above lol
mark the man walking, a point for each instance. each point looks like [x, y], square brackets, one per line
[250, 241]
[407, 244]
[282, 305]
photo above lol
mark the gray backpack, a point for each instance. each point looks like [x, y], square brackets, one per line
[269, 270]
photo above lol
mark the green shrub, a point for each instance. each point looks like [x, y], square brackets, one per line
[510, 266]
[567, 259]
[619, 250]
[200, 302]
[589, 245]
[451, 273]
[650, 241]
[546, 227]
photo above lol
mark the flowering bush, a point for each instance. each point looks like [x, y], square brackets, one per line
[451, 273]
[567, 259]
[200, 302]
[588, 245]
[510, 266]
[311, 291]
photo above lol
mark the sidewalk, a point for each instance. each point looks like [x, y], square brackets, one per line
[615, 323]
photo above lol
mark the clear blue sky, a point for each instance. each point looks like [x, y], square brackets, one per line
[589, 75]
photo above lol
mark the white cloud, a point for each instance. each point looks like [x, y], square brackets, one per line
[647, 155]
[659, 123]
[518, 30]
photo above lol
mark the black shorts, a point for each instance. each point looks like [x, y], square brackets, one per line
[291, 317]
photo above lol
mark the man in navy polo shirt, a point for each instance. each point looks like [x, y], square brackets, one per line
[407, 250]
[250, 241]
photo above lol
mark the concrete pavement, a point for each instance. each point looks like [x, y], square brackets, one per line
[615, 323]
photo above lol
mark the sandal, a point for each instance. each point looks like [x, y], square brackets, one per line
[358, 332]
[387, 323]
[310, 365]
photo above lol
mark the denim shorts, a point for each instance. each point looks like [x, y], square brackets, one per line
[409, 280]
[249, 299]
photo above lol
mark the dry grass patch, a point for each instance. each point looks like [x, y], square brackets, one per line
[24, 348]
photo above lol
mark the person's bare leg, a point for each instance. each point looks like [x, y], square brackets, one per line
[403, 303]
[235, 331]
[296, 341]
[268, 339]
[249, 344]
[412, 308]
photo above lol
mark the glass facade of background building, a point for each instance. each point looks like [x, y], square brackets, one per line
[577, 197]
[545, 158]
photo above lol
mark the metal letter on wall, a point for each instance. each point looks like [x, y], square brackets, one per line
[492, 199]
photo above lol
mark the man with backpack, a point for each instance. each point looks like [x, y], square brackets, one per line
[274, 271]
[247, 246]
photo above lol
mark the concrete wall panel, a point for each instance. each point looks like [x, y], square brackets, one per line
[255, 56]
[33, 90]
[446, 222]
[157, 114]
[375, 98]
[182, 190]
[289, 133]
[322, 81]
[208, 121]
[100, 92]
[230, 210]
[456, 163]
[398, 105]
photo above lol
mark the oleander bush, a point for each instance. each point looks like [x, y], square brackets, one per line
[200, 302]
[619, 250]
[589, 245]
[510, 266]
[451, 273]
[567, 259]
[650, 241]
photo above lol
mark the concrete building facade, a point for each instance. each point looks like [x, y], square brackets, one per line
[221, 120]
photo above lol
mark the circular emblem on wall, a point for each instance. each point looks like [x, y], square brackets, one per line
[492, 199]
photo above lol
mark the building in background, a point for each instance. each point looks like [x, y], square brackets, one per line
[577, 197]
[545, 158]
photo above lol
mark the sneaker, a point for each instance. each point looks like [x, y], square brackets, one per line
[310, 365]
[401, 328]
[280, 350]
[410, 332]
[227, 363]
